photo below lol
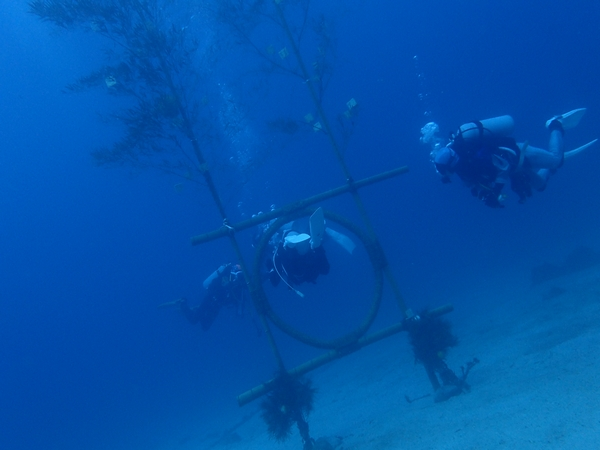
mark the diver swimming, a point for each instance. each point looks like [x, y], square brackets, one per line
[486, 157]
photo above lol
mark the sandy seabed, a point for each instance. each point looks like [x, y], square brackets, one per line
[537, 385]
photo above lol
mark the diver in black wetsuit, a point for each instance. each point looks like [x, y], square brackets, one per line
[296, 257]
[295, 261]
[485, 157]
[224, 287]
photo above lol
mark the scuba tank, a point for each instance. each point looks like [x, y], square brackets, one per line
[214, 275]
[501, 126]
[489, 156]
[488, 138]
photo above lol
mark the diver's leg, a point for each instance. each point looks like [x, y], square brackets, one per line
[556, 144]
[208, 311]
[191, 314]
[539, 179]
[552, 158]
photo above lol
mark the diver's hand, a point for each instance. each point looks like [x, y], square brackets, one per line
[490, 197]
[494, 201]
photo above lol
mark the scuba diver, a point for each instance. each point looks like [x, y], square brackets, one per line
[299, 257]
[224, 287]
[295, 256]
[297, 260]
[485, 156]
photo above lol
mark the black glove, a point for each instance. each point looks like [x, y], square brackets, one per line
[491, 197]
[492, 201]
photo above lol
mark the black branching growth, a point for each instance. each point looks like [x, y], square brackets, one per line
[290, 401]
[431, 338]
[151, 64]
[279, 44]
[290, 38]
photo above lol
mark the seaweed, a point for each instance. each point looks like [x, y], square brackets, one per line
[290, 401]
[431, 338]
[152, 62]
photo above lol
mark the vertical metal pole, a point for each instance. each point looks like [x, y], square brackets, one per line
[349, 180]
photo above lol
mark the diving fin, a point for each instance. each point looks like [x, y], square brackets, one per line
[580, 149]
[317, 228]
[177, 302]
[568, 120]
[341, 239]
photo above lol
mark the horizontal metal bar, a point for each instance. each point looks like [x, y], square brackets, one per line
[296, 206]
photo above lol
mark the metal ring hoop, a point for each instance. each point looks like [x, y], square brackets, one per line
[263, 306]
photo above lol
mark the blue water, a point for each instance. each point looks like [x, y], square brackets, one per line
[86, 254]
